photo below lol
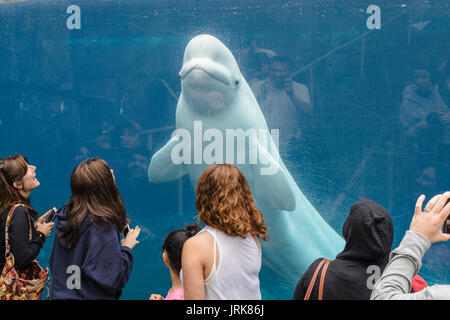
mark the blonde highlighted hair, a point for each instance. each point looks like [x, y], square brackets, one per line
[224, 201]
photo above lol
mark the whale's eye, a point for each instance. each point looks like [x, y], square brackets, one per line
[236, 82]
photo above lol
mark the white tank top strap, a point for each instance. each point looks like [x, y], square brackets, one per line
[212, 232]
[236, 275]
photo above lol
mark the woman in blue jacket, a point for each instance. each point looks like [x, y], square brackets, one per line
[88, 260]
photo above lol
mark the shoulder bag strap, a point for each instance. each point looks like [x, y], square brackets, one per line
[313, 279]
[8, 221]
[322, 278]
[30, 230]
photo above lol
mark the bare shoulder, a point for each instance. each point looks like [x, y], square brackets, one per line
[198, 241]
[197, 250]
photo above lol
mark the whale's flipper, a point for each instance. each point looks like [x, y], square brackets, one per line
[162, 168]
[271, 181]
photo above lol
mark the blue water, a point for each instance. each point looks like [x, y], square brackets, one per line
[69, 90]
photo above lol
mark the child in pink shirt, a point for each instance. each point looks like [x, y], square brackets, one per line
[175, 294]
[172, 249]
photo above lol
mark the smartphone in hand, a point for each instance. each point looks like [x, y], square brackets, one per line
[51, 216]
[125, 230]
[447, 222]
[447, 225]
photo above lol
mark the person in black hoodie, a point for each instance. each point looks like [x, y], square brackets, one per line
[369, 234]
[17, 181]
[88, 261]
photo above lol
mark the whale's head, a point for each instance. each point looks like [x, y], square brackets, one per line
[210, 76]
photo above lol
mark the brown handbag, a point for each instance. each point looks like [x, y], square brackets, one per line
[21, 284]
[325, 263]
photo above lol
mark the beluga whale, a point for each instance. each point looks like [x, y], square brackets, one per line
[218, 120]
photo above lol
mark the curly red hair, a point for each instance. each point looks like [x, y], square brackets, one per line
[224, 201]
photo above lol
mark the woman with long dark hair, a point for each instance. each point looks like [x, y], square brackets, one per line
[222, 262]
[88, 260]
[17, 181]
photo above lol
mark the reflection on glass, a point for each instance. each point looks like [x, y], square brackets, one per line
[361, 113]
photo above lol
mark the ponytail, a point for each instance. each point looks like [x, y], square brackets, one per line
[174, 242]
[192, 230]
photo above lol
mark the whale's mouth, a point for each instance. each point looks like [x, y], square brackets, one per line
[212, 69]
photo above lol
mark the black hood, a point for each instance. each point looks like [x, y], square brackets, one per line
[368, 232]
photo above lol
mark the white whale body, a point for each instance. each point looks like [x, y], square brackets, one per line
[216, 108]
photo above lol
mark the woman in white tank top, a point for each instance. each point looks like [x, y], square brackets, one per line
[224, 259]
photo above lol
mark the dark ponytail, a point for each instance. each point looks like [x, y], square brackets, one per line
[192, 230]
[174, 242]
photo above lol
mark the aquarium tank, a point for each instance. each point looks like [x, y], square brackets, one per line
[359, 90]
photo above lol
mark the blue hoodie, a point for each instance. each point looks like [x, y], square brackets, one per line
[95, 267]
